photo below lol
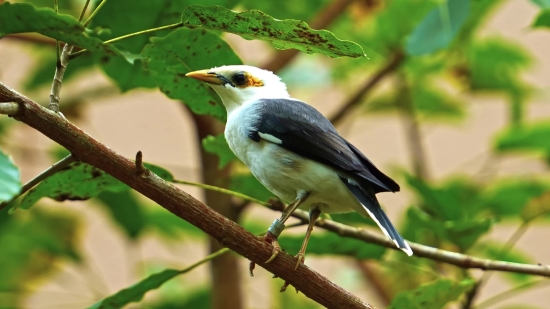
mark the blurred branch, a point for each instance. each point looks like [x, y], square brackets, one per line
[359, 96]
[512, 292]
[94, 13]
[412, 129]
[83, 10]
[45, 174]
[472, 294]
[183, 205]
[374, 279]
[322, 20]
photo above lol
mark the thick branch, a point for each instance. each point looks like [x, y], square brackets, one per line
[457, 259]
[322, 20]
[227, 232]
[358, 97]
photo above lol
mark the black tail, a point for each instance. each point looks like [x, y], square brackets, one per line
[371, 205]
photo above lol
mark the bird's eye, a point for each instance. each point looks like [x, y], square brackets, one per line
[239, 79]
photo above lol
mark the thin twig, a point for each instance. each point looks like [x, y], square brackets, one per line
[58, 78]
[9, 108]
[45, 174]
[130, 35]
[140, 169]
[221, 190]
[512, 292]
[87, 22]
[83, 10]
[358, 97]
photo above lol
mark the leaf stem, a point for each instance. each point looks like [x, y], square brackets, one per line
[130, 35]
[57, 47]
[221, 190]
[45, 174]
[94, 13]
[511, 293]
[83, 10]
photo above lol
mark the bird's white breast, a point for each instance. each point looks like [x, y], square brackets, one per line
[283, 172]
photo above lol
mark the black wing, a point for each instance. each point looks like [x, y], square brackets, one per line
[305, 131]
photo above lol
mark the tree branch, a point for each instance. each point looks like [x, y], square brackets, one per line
[358, 97]
[183, 205]
[322, 20]
[58, 77]
[419, 250]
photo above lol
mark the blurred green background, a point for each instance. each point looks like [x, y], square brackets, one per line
[459, 116]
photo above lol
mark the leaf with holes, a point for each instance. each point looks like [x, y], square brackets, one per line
[282, 34]
[24, 17]
[182, 51]
[218, 146]
[79, 181]
[9, 178]
[433, 295]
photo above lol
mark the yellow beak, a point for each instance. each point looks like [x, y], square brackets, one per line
[205, 76]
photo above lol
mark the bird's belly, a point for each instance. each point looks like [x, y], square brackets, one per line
[285, 173]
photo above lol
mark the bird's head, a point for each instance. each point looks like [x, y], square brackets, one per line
[237, 84]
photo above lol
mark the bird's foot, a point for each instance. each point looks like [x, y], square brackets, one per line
[272, 239]
[301, 258]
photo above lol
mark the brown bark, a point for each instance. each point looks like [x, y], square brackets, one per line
[225, 271]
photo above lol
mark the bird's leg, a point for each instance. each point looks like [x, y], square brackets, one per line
[278, 226]
[314, 214]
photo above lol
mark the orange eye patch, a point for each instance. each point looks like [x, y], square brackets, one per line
[251, 81]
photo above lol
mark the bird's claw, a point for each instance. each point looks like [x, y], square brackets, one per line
[272, 239]
[301, 258]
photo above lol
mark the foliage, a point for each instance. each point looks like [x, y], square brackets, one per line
[447, 59]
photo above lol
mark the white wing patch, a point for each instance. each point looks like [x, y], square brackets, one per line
[270, 138]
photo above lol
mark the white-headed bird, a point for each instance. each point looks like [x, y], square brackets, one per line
[296, 153]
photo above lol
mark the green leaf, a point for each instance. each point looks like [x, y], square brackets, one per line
[543, 4]
[79, 181]
[170, 225]
[438, 28]
[282, 34]
[247, 184]
[330, 243]
[543, 19]
[197, 300]
[159, 171]
[125, 209]
[508, 198]
[24, 17]
[496, 64]
[536, 207]
[433, 295]
[183, 51]
[136, 292]
[531, 137]
[352, 218]
[10, 183]
[218, 146]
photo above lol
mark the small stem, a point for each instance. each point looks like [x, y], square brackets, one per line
[130, 35]
[140, 169]
[221, 190]
[83, 10]
[94, 13]
[58, 78]
[9, 108]
[57, 47]
[511, 292]
[45, 174]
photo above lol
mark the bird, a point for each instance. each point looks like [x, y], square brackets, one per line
[296, 153]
